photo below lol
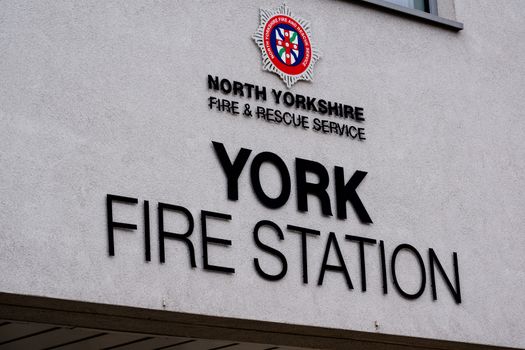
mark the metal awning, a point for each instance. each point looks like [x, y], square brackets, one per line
[39, 336]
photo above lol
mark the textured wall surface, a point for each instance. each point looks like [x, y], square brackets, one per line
[102, 97]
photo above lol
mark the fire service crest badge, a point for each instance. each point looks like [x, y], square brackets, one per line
[286, 45]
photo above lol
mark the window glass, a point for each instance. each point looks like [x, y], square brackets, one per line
[414, 4]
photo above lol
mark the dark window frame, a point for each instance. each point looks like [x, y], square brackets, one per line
[432, 7]
[427, 17]
[429, 6]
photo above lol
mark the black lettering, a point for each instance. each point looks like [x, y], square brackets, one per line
[304, 249]
[302, 166]
[317, 124]
[322, 106]
[277, 95]
[337, 268]
[304, 122]
[260, 93]
[213, 83]
[231, 170]
[226, 86]
[261, 112]
[383, 267]
[234, 108]
[212, 101]
[213, 240]
[421, 267]
[112, 225]
[183, 237]
[274, 159]
[269, 115]
[147, 240]
[349, 132]
[361, 133]
[238, 88]
[333, 108]
[346, 192]
[300, 101]
[269, 250]
[349, 111]
[288, 99]
[361, 241]
[324, 124]
[310, 104]
[278, 116]
[249, 88]
[434, 261]
[359, 114]
[333, 125]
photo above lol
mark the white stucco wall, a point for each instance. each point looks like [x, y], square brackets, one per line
[110, 97]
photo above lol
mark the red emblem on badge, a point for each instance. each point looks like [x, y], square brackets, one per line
[286, 46]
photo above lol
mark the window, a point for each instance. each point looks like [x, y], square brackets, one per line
[414, 4]
[423, 10]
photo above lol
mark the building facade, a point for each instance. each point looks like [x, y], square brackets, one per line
[315, 174]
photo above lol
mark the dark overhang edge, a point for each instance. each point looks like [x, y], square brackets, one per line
[418, 14]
